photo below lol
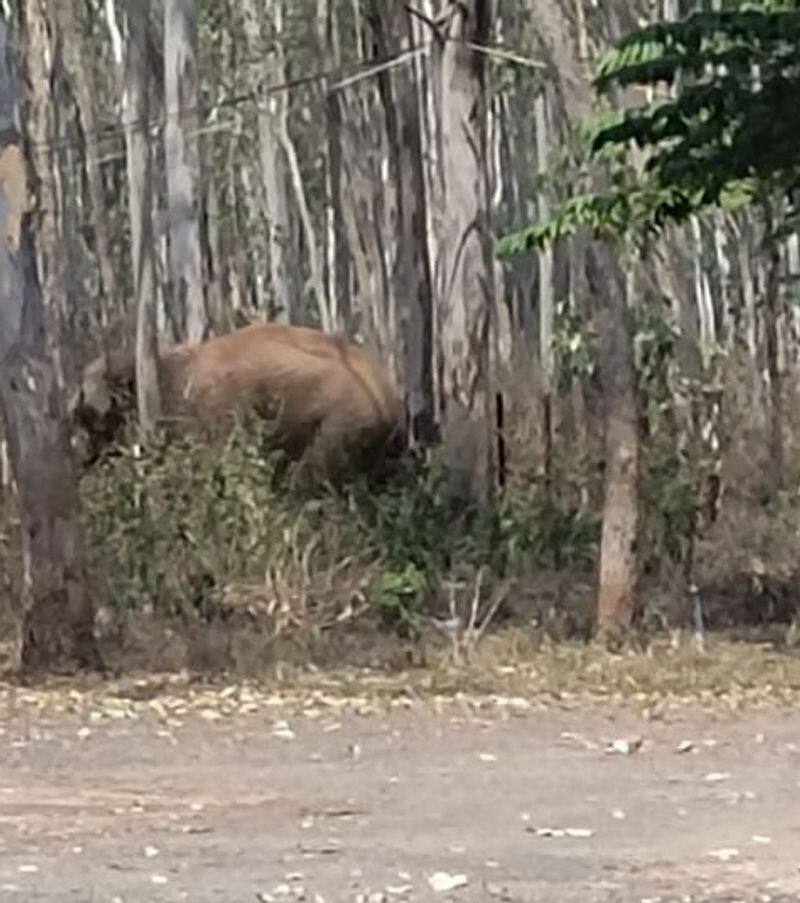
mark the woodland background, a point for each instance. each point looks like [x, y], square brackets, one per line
[324, 168]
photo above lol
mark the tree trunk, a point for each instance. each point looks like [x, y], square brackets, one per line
[136, 112]
[337, 253]
[42, 55]
[268, 71]
[617, 594]
[181, 144]
[463, 283]
[58, 619]
[75, 51]
[772, 313]
[411, 278]
[546, 289]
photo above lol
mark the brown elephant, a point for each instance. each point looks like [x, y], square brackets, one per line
[331, 402]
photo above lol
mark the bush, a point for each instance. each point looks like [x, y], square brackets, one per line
[173, 527]
[171, 524]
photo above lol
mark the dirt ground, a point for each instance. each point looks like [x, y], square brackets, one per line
[235, 796]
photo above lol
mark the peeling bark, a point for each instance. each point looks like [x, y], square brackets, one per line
[410, 277]
[337, 259]
[136, 111]
[75, 51]
[58, 618]
[183, 165]
[264, 40]
[463, 270]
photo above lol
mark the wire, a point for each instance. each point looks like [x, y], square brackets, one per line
[346, 76]
[341, 77]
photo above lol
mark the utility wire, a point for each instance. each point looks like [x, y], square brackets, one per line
[340, 77]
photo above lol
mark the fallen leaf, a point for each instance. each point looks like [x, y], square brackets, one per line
[282, 731]
[330, 848]
[209, 714]
[624, 747]
[561, 832]
[442, 881]
[725, 854]
[546, 832]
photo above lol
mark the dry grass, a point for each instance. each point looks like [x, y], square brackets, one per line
[512, 670]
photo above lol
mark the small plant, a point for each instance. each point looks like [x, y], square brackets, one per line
[399, 596]
[540, 528]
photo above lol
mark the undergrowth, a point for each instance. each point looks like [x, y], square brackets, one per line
[193, 533]
[181, 529]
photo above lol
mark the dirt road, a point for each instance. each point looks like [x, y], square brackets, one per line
[148, 803]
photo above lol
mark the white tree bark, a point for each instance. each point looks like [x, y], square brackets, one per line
[136, 111]
[463, 270]
[181, 144]
[337, 258]
[264, 30]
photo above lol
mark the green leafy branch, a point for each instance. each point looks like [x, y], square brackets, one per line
[727, 136]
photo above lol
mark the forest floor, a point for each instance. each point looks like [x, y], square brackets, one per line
[170, 791]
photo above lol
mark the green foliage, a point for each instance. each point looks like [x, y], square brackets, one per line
[669, 496]
[165, 536]
[172, 526]
[575, 346]
[655, 338]
[725, 136]
[411, 523]
[399, 596]
[541, 528]
[724, 125]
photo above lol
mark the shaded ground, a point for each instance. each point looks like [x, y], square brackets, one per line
[232, 797]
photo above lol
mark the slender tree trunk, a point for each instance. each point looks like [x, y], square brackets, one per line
[411, 278]
[136, 112]
[272, 113]
[75, 59]
[703, 299]
[546, 287]
[772, 314]
[315, 263]
[183, 164]
[463, 271]
[617, 594]
[337, 257]
[58, 619]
